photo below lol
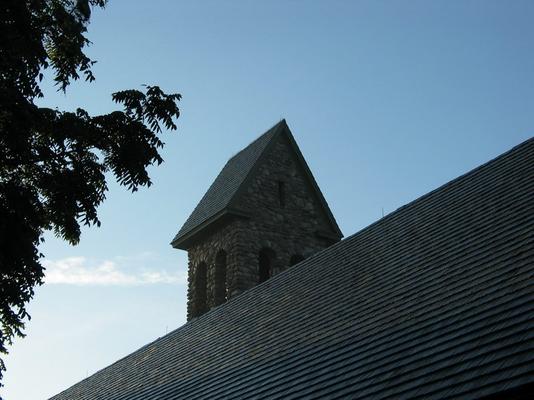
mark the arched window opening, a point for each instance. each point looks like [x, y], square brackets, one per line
[221, 288]
[295, 259]
[200, 289]
[265, 261]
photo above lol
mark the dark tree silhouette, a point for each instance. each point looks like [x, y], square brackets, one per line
[53, 163]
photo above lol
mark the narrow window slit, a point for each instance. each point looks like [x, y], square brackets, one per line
[282, 194]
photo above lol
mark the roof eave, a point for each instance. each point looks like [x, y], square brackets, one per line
[185, 241]
[334, 237]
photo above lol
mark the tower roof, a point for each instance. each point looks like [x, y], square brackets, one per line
[221, 198]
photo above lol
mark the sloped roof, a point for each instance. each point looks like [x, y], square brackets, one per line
[433, 301]
[223, 194]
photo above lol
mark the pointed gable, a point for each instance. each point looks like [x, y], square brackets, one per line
[222, 198]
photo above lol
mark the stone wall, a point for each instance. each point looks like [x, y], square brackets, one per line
[287, 227]
[226, 239]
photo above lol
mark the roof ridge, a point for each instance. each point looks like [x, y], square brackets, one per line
[166, 337]
[395, 212]
[275, 126]
[275, 131]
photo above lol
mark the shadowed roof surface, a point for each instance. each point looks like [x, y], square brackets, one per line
[224, 191]
[433, 301]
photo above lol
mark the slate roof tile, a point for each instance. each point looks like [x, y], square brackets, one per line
[227, 183]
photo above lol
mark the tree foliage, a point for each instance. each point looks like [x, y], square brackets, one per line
[53, 164]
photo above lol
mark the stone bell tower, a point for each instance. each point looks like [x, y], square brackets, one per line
[263, 213]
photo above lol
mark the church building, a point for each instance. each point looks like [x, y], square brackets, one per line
[433, 301]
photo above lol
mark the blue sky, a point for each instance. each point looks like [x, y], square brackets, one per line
[386, 99]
